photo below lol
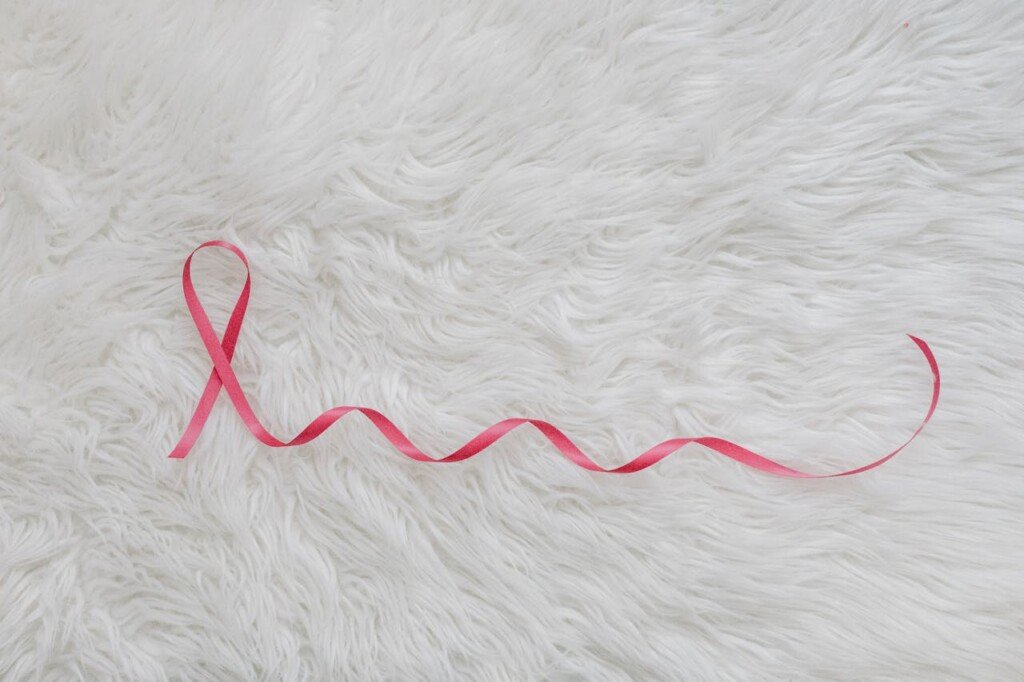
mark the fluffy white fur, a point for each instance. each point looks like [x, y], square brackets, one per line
[636, 219]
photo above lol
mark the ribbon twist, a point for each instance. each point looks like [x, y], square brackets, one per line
[222, 350]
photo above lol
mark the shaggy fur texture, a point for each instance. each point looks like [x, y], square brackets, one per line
[636, 219]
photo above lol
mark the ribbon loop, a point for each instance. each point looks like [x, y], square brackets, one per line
[222, 349]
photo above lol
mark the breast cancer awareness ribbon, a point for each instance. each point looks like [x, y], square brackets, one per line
[222, 349]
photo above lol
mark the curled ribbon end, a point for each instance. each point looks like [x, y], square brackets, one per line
[222, 349]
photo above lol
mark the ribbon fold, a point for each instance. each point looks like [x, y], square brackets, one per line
[221, 351]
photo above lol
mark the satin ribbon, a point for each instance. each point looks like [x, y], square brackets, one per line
[221, 350]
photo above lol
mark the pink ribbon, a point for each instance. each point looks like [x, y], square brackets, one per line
[221, 351]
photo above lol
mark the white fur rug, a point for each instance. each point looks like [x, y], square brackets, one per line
[638, 220]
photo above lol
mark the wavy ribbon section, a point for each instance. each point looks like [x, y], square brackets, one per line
[221, 351]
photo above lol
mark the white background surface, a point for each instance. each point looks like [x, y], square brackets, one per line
[638, 220]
